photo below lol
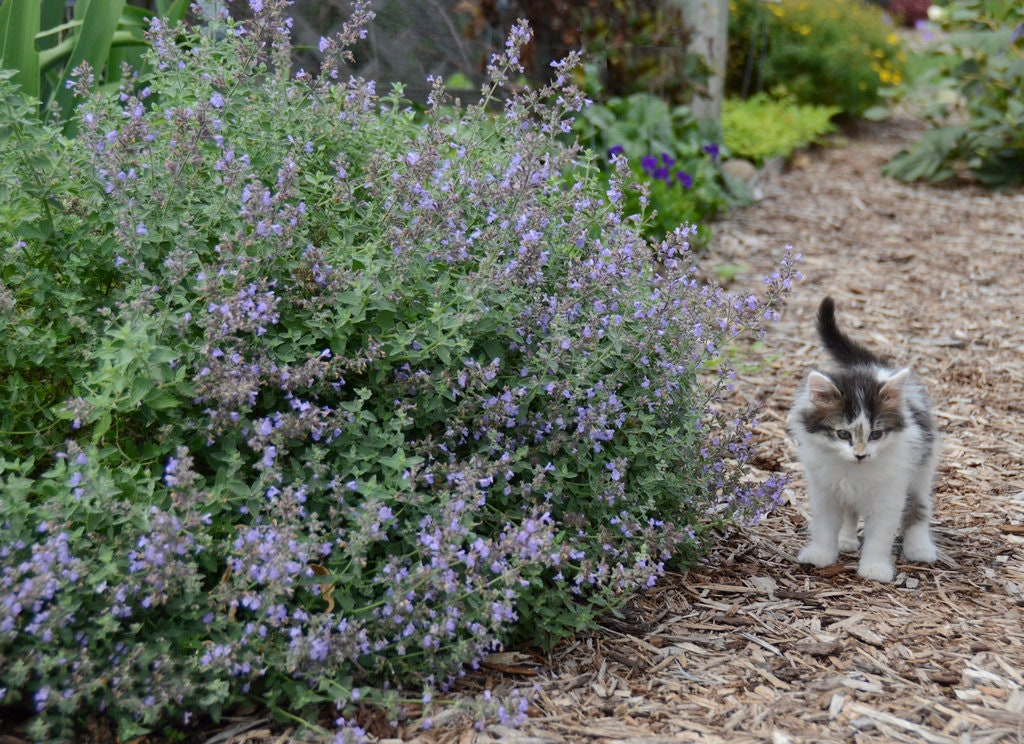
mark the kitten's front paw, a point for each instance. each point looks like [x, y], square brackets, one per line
[882, 572]
[920, 551]
[818, 556]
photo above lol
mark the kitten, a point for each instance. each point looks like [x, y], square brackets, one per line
[869, 447]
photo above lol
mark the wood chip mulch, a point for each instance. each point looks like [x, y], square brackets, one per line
[751, 647]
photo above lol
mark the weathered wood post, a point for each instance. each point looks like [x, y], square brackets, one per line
[709, 20]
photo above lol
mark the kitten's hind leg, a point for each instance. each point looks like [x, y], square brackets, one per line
[848, 532]
[917, 535]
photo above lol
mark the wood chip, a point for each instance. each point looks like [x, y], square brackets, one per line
[867, 635]
[819, 648]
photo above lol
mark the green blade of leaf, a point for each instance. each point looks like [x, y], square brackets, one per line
[99, 19]
[19, 21]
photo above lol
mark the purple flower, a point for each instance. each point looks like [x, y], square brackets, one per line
[217, 100]
[649, 163]
[615, 150]
[711, 150]
[685, 179]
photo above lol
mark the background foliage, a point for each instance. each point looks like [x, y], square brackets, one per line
[838, 53]
[676, 157]
[906, 12]
[761, 127]
[970, 95]
[631, 46]
[44, 47]
[310, 399]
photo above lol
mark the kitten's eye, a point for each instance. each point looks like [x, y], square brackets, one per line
[876, 434]
[844, 435]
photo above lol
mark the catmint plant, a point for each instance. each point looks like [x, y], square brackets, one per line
[332, 395]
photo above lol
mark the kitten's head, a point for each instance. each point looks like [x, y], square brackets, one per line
[855, 412]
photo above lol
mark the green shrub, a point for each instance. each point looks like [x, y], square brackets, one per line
[311, 402]
[971, 97]
[761, 127]
[838, 53]
[673, 156]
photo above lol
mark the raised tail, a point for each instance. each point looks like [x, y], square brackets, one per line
[841, 347]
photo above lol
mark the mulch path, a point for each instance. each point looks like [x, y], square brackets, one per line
[751, 647]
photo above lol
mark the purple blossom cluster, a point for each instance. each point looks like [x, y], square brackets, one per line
[661, 169]
[32, 578]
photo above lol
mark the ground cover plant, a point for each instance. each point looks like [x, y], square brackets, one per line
[761, 127]
[309, 401]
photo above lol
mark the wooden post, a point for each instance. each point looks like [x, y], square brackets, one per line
[709, 21]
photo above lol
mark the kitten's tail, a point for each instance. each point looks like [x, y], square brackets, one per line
[841, 347]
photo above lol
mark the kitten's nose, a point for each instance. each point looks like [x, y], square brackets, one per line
[860, 457]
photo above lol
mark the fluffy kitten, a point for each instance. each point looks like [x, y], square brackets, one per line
[869, 448]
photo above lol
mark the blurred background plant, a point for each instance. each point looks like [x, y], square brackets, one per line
[762, 127]
[840, 53]
[43, 41]
[631, 46]
[675, 157]
[969, 91]
[905, 12]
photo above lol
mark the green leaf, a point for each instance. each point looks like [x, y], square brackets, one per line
[876, 113]
[927, 157]
[141, 388]
[160, 399]
[19, 21]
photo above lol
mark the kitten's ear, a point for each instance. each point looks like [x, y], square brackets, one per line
[892, 390]
[821, 389]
